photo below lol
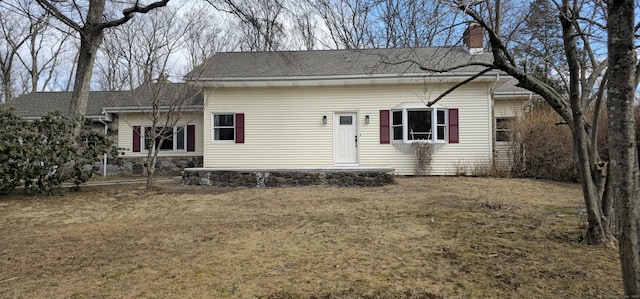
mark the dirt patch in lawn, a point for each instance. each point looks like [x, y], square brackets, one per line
[433, 237]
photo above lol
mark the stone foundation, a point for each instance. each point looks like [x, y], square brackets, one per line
[136, 166]
[356, 177]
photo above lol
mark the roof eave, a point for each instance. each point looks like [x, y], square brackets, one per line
[407, 78]
[94, 118]
[138, 109]
[524, 95]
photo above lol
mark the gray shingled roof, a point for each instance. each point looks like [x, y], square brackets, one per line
[167, 94]
[509, 88]
[38, 104]
[334, 63]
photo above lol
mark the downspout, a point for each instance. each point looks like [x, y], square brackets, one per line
[491, 118]
[104, 157]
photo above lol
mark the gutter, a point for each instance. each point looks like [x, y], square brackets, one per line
[491, 118]
[92, 118]
[149, 109]
[334, 77]
[336, 80]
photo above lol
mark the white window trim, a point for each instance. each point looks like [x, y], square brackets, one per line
[434, 125]
[213, 127]
[174, 139]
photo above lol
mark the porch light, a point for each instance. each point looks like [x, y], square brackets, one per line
[324, 119]
[366, 119]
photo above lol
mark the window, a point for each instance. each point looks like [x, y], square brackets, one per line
[223, 128]
[228, 127]
[503, 129]
[346, 120]
[410, 125]
[165, 139]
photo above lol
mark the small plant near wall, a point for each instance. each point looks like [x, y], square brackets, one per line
[423, 157]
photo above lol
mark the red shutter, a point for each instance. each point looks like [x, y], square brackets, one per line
[384, 127]
[239, 127]
[454, 130]
[191, 138]
[136, 138]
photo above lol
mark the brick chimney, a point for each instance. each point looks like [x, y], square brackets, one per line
[472, 38]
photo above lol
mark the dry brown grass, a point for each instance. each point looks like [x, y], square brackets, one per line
[428, 237]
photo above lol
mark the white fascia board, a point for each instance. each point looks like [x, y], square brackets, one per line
[106, 117]
[341, 80]
[525, 95]
[93, 118]
[138, 109]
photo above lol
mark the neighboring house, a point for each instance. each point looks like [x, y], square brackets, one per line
[339, 109]
[126, 116]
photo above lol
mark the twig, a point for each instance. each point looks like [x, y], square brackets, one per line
[9, 279]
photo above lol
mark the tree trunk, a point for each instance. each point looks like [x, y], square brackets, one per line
[6, 83]
[152, 158]
[6, 67]
[90, 41]
[622, 140]
[598, 232]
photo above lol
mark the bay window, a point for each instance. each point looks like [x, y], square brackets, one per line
[419, 125]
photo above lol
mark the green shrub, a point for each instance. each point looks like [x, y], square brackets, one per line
[11, 150]
[47, 152]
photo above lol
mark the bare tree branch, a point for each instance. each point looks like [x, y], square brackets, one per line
[458, 85]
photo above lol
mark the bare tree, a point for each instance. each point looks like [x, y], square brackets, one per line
[625, 176]
[305, 26]
[539, 46]
[349, 22]
[586, 69]
[44, 49]
[413, 23]
[89, 22]
[205, 35]
[13, 35]
[165, 105]
[141, 50]
[359, 24]
[260, 21]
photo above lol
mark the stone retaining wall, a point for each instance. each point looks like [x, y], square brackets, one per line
[286, 178]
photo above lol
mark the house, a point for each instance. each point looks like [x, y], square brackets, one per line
[350, 109]
[126, 116]
[325, 109]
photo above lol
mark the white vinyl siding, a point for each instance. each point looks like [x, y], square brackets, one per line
[506, 108]
[125, 134]
[284, 127]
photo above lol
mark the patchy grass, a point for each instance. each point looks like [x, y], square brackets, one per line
[427, 237]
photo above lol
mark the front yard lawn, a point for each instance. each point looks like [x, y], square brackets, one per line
[426, 237]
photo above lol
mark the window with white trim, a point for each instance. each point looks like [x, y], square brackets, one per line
[165, 139]
[223, 127]
[419, 125]
[503, 129]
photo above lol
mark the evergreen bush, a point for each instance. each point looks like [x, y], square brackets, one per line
[42, 154]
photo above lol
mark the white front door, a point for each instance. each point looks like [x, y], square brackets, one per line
[345, 138]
